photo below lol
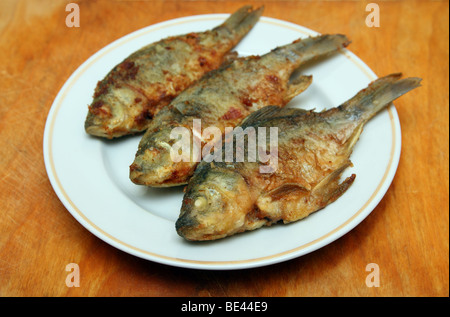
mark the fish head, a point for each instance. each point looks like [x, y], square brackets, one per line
[154, 164]
[215, 204]
[117, 111]
[105, 119]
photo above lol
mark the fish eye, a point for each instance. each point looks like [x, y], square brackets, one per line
[200, 203]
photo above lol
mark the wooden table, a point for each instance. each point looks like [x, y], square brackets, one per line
[406, 235]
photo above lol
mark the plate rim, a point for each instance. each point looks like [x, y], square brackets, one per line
[309, 247]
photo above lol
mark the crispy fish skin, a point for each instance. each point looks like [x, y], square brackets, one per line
[130, 95]
[314, 149]
[223, 98]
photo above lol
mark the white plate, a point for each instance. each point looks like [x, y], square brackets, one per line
[90, 175]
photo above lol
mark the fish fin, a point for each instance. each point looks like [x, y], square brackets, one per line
[230, 57]
[326, 186]
[286, 189]
[283, 203]
[241, 21]
[340, 189]
[261, 114]
[378, 95]
[351, 141]
[292, 201]
[296, 86]
[269, 113]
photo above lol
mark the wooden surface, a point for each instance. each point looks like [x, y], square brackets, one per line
[406, 235]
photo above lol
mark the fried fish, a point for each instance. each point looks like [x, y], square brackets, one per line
[223, 98]
[130, 95]
[314, 148]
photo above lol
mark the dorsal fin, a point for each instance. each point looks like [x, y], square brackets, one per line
[270, 113]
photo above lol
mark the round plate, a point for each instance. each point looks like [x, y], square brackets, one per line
[91, 175]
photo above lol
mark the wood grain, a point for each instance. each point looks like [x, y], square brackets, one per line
[406, 235]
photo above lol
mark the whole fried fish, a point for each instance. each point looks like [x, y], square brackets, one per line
[223, 98]
[313, 151]
[130, 95]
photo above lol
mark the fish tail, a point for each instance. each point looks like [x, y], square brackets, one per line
[311, 48]
[378, 95]
[241, 22]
